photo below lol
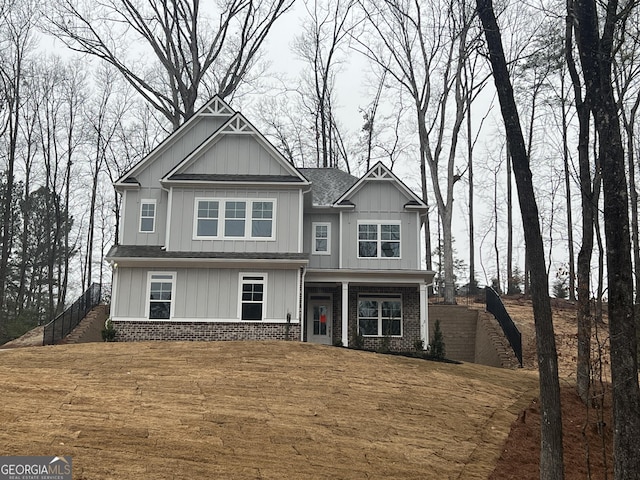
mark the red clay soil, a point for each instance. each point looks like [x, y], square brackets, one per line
[585, 433]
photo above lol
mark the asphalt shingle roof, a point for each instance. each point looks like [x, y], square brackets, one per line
[328, 184]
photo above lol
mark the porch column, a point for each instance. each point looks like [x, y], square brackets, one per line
[345, 314]
[424, 314]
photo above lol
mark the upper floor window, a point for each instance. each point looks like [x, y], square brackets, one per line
[161, 293]
[217, 218]
[321, 238]
[379, 240]
[207, 218]
[235, 214]
[148, 216]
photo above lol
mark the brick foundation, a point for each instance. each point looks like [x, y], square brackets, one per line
[129, 331]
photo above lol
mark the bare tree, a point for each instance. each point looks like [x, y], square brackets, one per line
[551, 452]
[190, 52]
[325, 29]
[16, 31]
[596, 26]
[425, 50]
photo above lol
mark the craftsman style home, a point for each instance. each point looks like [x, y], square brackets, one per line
[221, 238]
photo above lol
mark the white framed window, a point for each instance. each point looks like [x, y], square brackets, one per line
[234, 218]
[380, 316]
[321, 238]
[160, 295]
[148, 216]
[206, 223]
[253, 294]
[378, 239]
[235, 213]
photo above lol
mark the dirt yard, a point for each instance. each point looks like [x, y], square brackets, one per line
[255, 410]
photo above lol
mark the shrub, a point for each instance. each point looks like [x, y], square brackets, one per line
[418, 345]
[109, 333]
[437, 347]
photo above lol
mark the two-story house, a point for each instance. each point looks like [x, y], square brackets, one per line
[222, 239]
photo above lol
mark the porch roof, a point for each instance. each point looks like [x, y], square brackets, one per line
[359, 276]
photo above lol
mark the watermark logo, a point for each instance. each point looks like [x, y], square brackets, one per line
[35, 468]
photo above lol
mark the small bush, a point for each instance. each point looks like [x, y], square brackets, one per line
[418, 345]
[358, 340]
[437, 347]
[109, 333]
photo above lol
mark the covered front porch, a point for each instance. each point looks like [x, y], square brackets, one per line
[366, 309]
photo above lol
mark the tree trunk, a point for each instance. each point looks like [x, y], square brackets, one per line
[551, 451]
[596, 57]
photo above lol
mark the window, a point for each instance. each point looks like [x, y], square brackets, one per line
[147, 216]
[379, 240]
[252, 296]
[161, 295]
[379, 317]
[219, 218]
[261, 219]
[321, 238]
[207, 218]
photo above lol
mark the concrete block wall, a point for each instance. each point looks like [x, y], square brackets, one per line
[458, 325]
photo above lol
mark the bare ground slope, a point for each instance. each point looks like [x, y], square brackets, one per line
[255, 410]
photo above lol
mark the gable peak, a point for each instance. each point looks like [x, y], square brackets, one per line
[237, 125]
[217, 108]
[379, 172]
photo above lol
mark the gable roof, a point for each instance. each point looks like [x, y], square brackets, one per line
[237, 125]
[380, 173]
[216, 107]
[327, 184]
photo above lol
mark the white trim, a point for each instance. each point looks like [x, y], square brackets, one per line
[123, 211]
[167, 234]
[380, 298]
[115, 280]
[380, 172]
[248, 218]
[147, 299]
[314, 238]
[300, 221]
[171, 139]
[294, 321]
[345, 314]
[379, 224]
[143, 202]
[424, 314]
[264, 282]
[341, 246]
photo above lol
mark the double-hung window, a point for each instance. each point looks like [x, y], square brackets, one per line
[321, 238]
[235, 214]
[160, 295]
[380, 316]
[262, 219]
[147, 216]
[379, 240]
[234, 218]
[207, 212]
[252, 296]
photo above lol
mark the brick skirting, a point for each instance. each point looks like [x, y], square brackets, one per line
[131, 331]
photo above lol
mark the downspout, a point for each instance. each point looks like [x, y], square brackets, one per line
[301, 297]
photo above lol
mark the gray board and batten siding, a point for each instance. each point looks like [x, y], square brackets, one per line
[206, 294]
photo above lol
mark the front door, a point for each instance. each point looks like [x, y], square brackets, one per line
[319, 324]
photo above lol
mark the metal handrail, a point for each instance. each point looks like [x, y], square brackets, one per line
[496, 307]
[63, 324]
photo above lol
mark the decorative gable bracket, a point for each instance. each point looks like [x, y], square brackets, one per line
[238, 125]
[217, 108]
